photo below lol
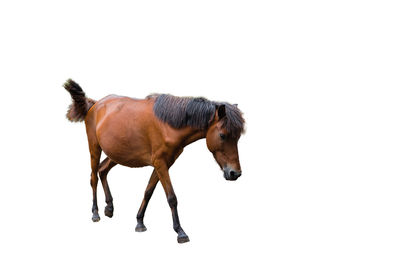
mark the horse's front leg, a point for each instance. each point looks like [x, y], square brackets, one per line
[140, 227]
[163, 175]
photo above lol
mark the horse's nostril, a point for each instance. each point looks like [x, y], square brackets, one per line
[234, 174]
[231, 174]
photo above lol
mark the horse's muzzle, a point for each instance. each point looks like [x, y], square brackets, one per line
[231, 174]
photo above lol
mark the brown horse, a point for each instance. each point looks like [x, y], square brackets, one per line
[153, 132]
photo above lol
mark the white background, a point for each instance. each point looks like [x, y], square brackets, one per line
[318, 83]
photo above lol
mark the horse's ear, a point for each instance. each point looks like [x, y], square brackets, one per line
[221, 111]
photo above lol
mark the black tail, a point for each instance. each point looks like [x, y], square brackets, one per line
[80, 103]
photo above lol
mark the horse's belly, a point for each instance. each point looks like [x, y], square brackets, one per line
[132, 159]
[127, 148]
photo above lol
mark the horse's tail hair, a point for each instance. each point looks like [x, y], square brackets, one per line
[80, 103]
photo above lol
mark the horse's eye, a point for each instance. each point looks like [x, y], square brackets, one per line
[222, 136]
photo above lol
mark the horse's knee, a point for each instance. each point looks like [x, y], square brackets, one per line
[172, 201]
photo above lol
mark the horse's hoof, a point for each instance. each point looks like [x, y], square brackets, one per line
[109, 212]
[140, 227]
[183, 239]
[96, 218]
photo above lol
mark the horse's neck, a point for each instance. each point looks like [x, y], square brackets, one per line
[194, 136]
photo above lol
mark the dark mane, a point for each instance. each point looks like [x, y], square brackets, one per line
[196, 112]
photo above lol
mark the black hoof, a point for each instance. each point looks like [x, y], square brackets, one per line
[140, 227]
[183, 239]
[109, 211]
[95, 218]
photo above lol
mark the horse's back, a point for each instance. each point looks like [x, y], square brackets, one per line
[122, 126]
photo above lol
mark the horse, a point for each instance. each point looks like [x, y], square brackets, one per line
[153, 132]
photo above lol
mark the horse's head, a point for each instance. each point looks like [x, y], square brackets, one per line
[222, 137]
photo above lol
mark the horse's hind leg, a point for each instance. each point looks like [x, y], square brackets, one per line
[140, 227]
[95, 153]
[105, 167]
